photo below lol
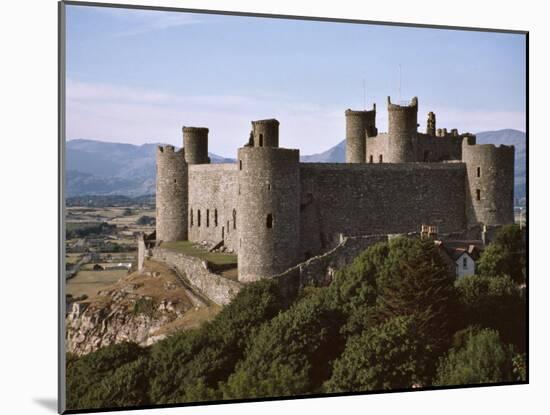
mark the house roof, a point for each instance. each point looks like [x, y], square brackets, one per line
[456, 248]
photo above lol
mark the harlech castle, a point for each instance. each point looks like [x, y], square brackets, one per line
[275, 212]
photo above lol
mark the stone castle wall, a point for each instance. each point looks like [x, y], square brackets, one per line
[213, 190]
[319, 270]
[367, 199]
[334, 199]
[428, 148]
[218, 289]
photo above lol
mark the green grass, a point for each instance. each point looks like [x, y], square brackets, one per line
[188, 248]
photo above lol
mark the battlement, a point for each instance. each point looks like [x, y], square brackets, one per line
[502, 149]
[396, 107]
[350, 112]
[169, 149]
[267, 155]
[266, 121]
[201, 130]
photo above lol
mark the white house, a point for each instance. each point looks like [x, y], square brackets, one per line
[465, 265]
[461, 255]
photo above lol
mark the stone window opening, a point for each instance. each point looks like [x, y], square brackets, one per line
[269, 186]
[175, 181]
[215, 217]
[234, 219]
[207, 218]
[371, 159]
[380, 158]
[261, 140]
[223, 232]
[191, 217]
[478, 194]
[240, 164]
[269, 221]
[478, 172]
[227, 226]
[199, 218]
[464, 262]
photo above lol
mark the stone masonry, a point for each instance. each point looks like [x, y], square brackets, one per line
[276, 212]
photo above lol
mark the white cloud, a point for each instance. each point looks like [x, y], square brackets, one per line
[127, 114]
[145, 21]
[136, 115]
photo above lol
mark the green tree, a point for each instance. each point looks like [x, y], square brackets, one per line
[505, 255]
[416, 282]
[388, 356]
[114, 376]
[494, 302]
[483, 359]
[290, 355]
[189, 366]
[354, 289]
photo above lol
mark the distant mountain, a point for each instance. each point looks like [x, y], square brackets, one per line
[336, 154]
[101, 168]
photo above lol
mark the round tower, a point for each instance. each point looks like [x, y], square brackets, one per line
[265, 133]
[359, 126]
[402, 131]
[489, 183]
[268, 210]
[195, 141]
[171, 197]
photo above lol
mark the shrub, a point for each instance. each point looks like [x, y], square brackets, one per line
[290, 355]
[388, 356]
[113, 376]
[505, 255]
[483, 359]
[494, 302]
[189, 366]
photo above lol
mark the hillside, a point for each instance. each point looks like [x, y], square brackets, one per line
[102, 168]
[393, 319]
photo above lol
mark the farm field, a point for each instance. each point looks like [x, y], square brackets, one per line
[88, 282]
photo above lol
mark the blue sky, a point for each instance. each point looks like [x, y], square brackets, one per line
[138, 76]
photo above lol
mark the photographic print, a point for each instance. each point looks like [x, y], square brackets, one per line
[259, 207]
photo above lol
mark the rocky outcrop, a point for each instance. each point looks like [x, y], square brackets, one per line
[142, 308]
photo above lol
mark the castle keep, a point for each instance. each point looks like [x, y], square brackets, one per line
[275, 211]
